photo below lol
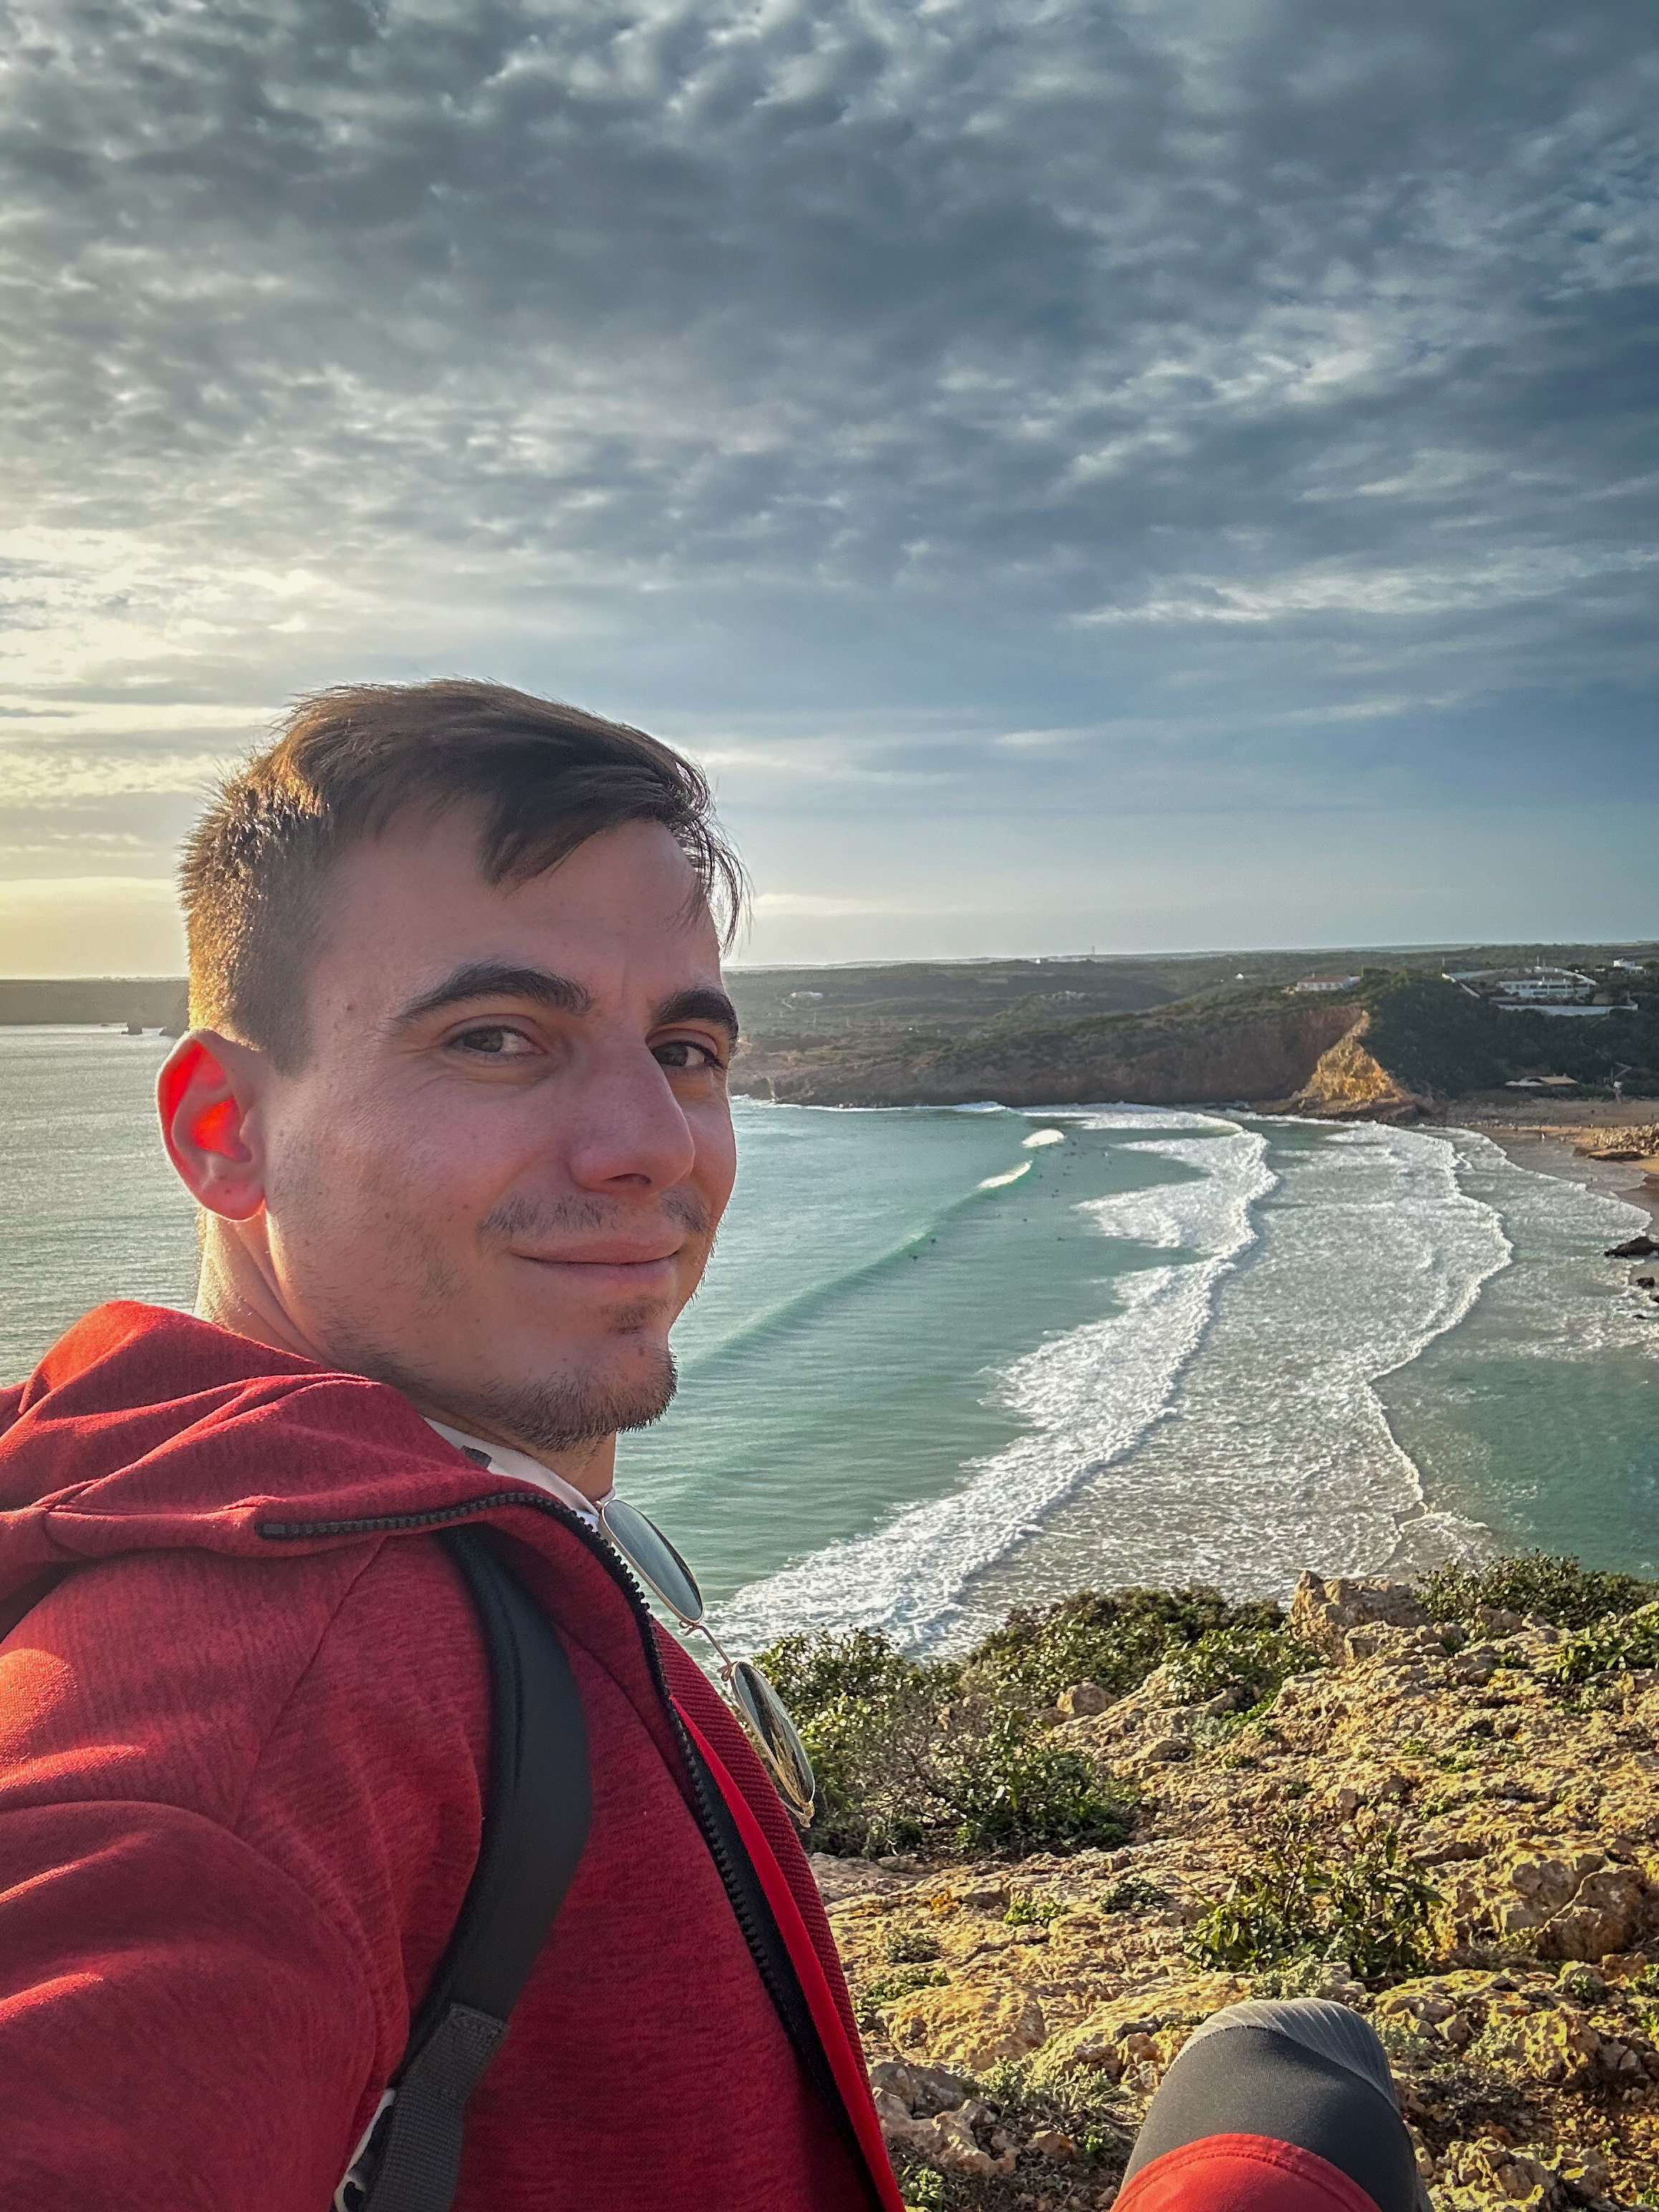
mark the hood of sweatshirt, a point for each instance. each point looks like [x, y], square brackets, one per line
[144, 1429]
[147, 1429]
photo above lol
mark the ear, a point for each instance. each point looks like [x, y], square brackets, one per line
[206, 1094]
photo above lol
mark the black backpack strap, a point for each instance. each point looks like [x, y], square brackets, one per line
[535, 1827]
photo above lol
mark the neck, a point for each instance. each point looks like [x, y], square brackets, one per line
[590, 1467]
[237, 1290]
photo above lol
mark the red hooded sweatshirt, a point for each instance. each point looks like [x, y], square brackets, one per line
[243, 1749]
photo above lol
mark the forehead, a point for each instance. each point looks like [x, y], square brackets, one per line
[623, 914]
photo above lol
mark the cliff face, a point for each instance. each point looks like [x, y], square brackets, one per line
[1348, 1083]
[1263, 1053]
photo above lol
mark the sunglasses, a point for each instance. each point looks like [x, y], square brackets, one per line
[747, 1691]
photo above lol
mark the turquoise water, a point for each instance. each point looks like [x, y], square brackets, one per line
[946, 1361]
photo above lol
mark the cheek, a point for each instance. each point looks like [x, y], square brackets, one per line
[717, 1157]
[354, 1163]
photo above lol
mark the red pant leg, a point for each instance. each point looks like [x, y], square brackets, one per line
[1243, 2173]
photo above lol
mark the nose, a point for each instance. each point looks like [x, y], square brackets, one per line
[627, 1130]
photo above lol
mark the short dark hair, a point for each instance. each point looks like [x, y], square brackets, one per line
[349, 761]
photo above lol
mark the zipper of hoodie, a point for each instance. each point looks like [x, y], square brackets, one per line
[617, 1568]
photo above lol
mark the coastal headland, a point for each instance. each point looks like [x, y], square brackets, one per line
[1390, 1034]
[1353, 1035]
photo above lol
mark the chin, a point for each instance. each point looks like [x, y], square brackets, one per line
[594, 1392]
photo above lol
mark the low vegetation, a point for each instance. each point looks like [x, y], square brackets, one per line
[1537, 1585]
[1317, 1898]
[1112, 1640]
[1435, 1806]
[957, 1754]
[1616, 1646]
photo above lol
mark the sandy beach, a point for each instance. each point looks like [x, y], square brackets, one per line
[1543, 1133]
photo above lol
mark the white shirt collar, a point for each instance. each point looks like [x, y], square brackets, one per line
[502, 1458]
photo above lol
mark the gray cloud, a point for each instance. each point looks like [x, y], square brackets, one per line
[1261, 392]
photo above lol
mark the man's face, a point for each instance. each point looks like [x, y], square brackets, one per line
[495, 1180]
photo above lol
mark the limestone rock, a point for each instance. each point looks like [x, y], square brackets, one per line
[1170, 1750]
[949, 2141]
[922, 2091]
[1322, 1613]
[1082, 1699]
[1610, 1910]
[1129, 2028]
[1348, 1082]
[840, 1878]
[971, 2025]
[1558, 2045]
[1569, 1899]
[1480, 2174]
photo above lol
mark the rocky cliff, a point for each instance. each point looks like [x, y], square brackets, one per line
[1490, 1826]
[1349, 1083]
[1256, 1051]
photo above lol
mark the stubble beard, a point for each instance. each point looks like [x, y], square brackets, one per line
[555, 1412]
[561, 1410]
[560, 1413]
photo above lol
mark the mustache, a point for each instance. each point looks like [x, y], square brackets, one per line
[544, 1220]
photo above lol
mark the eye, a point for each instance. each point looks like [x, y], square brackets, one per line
[492, 1041]
[688, 1052]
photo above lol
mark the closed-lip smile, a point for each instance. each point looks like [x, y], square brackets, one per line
[610, 1253]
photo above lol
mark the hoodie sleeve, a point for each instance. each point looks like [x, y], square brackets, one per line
[240, 1806]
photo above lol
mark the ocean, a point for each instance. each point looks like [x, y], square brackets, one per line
[950, 1360]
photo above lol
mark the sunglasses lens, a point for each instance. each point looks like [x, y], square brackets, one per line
[785, 1755]
[652, 1559]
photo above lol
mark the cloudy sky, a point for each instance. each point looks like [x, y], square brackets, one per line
[1146, 473]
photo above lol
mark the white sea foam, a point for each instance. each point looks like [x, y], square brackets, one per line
[1039, 1138]
[1089, 1397]
[1009, 1174]
[1561, 1300]
[1276, 1452]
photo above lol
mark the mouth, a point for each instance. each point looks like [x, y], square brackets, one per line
[634, 1269]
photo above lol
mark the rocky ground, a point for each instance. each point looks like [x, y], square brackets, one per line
[1018, 2016]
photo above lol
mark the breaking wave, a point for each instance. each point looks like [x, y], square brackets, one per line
[1089, 1397]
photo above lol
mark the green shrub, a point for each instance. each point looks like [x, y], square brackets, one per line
[923, 2186]
[1253, 1663]
[903, 1982]
[1131, 1892]
[1305, 1898]
[867, 1753]
[1010, 1788]
[903, 1763]
[812, 1672]
[1612, 1646]
[1558, 1590]
[1026, 1911]
[910, 1947]
[1115, 1640]
[1082, 2103]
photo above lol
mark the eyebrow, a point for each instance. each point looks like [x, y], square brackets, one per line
[493, 978]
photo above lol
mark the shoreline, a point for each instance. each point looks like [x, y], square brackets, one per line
[1543, 1143]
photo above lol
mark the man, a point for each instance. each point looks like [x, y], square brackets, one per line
[453, 1108]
